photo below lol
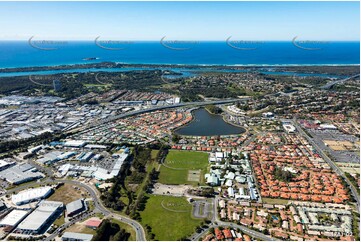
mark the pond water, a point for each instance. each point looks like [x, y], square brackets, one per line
[206, 124]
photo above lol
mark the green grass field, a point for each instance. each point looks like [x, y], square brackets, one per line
[165, 223]
[185, 160]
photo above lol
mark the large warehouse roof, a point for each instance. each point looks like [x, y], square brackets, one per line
[13, 218]
[40, 215]
[75, 143]
[31, 195]
[16, 175]
[77, 236]
[74, 206]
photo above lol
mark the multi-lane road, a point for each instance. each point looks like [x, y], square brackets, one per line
[332, 83]
[329, 161]
[140, 233]
[132, 113]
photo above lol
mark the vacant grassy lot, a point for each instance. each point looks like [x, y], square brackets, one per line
[275, 201]
[182, 162]
[67, 193]
[169, 217]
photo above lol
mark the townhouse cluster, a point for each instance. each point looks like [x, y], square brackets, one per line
[310, 177]
[226, 234]
[296, 221]
[219, 143]
[233, 175]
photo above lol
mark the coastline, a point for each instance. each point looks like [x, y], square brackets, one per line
[111, 64]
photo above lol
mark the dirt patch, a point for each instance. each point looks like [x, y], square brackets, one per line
[194, 175]
[68, 193]
[171, 190]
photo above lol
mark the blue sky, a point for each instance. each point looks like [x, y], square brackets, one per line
[180, 20]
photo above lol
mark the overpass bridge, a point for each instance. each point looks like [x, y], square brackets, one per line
[332, 83]
[132, 113]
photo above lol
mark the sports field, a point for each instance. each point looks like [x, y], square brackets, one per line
[184, 167]
[169, 217]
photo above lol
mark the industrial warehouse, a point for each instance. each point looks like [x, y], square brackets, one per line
[31, 195]
[75, 207]
[41, 218]
[17, 174]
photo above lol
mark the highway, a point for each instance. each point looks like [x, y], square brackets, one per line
[140, 233]
[132, 113]
[332, 83]
[329, 161]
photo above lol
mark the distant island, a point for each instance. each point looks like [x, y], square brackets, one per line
[91, 58]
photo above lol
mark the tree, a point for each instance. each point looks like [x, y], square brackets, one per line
[121, 235]
[175, 138]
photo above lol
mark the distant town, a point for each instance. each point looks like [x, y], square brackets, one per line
[181, 153]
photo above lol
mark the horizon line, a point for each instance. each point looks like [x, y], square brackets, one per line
[181, 40]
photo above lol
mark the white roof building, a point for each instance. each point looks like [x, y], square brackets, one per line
[13, 218]
[31, 195]
[228, 183]
[328, 126]
[102, 174]
[289, 128]
[92, 146]
[230, 192]
[72, 236]
[17, 174]
[74, 143]
[40, 217]
[230, 175]
[75, 207]
[4, 164]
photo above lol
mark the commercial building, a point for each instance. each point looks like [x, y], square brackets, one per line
[35, 149]
[93, 223]
[92, 146]
[49, 158]
[13, 218]
[19, 174]
[41, 218]
[75, 143]
[289, 128]
[328, 126]
[71, 236]
[31, 195]
[85, 157]
[4, 164]
[75, 207]
[55, 156]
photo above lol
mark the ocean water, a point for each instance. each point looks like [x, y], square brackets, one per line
[25, 54]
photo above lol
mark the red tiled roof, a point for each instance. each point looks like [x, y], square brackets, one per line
[93, 223]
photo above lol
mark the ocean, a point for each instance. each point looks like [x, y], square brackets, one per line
[36, 53]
